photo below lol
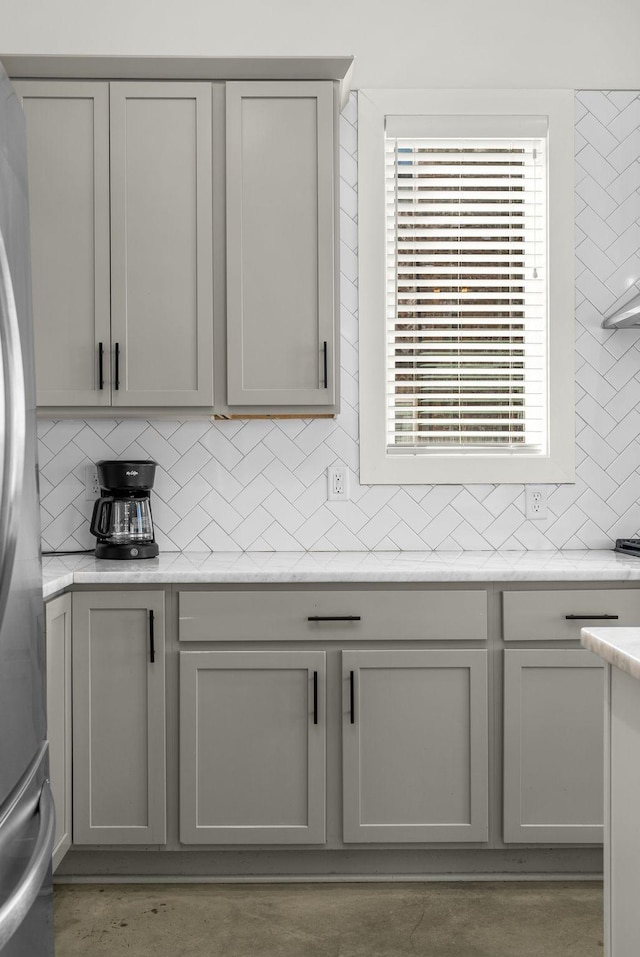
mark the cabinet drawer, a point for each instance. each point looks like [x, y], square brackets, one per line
[272, 615]
[547, 615]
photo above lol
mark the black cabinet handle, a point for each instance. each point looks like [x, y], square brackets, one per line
[334, 618]
[152, 641]
[325, 365]
[315, 697]
[117, 382]
[101, 365]
[591, 617]
[352, 697]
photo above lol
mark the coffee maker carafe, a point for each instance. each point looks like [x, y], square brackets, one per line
[121, 519]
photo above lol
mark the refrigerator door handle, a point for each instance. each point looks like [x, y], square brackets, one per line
[13, 428]
[19, 903]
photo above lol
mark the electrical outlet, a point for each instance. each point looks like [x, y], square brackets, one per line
[337, 487]
[91, 484]
[535, 502]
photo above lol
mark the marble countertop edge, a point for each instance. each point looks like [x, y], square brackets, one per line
[341, 567]
[617, 646]
[55, 584]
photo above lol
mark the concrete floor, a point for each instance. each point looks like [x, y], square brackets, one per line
[329, 920]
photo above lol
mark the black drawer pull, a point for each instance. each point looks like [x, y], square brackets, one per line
[315, 697]
[325, 369]
[152, 642]
[352, 697]
[334, 618]
[101, 365]
[591, 617]
[117, 351]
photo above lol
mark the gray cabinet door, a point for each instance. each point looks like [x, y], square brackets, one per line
[68, 152]
[415, 746]
[553, 746]
[118, 718]
[161, 244]
[58, 631]
[252, 747]
[280, 244]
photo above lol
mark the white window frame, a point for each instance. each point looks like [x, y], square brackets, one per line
[377, 465]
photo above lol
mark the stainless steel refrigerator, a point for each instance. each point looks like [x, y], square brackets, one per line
[26, 805]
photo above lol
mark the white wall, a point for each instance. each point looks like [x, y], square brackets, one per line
[576, 44]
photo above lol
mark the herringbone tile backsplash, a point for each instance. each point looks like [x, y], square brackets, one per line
[262, 485]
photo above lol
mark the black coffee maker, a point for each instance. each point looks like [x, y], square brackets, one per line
[121, 519]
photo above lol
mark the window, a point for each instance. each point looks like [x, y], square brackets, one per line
[466, 286]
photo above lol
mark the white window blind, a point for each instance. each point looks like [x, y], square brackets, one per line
[466, 249]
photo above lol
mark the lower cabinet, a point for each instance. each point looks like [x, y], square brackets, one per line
[409, 729]
[415, 746]
[58, 634]
[119, 787]
[622, 799]
[553, 746]
[252, 747]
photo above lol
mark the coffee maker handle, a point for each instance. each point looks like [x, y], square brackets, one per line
[97, 524]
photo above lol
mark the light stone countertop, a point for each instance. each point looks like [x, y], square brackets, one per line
[618, 646]
[291, 567]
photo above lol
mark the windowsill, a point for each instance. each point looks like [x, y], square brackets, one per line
[466, 469]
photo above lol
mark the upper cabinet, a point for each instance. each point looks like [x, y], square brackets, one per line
[281, 342]
[132, 244]
[68, 155]
[161, 244]
[120, 187]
